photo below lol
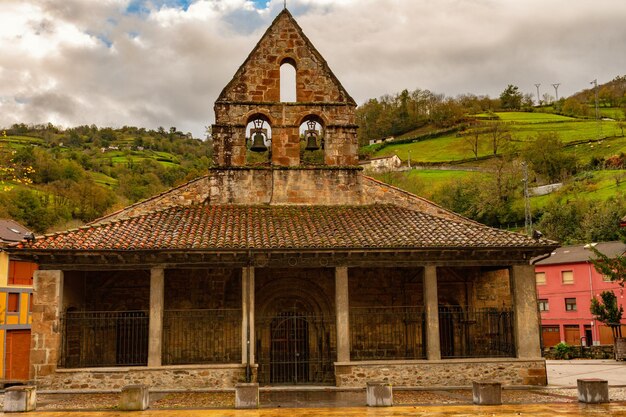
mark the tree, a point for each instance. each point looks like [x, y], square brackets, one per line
[511, 98]
[614, 268]
[608, 312]
[499, 134]
[547, 157]
[472, 139]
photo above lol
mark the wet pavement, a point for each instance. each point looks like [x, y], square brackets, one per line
[565, 373]
[535, 410]
[559, 399]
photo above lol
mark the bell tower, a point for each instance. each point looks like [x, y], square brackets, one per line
[258, 124]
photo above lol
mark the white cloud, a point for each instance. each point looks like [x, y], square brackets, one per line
[81, 61]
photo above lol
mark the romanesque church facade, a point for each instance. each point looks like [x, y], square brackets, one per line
[284, 264]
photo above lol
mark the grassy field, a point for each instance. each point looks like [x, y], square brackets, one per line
[527, 117]
[523, 127]
[426, 182]
[590, 185]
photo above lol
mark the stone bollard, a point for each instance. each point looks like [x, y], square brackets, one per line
[247, 395]
[486, 393]
[593, 390]
[379, 394]
[134, 398]
[20, 399]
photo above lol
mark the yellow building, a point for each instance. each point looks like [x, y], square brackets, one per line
[16, 288]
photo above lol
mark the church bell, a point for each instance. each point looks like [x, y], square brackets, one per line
[258, 143]
[258, 138]
[311, 136]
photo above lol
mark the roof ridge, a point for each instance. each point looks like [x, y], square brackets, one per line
[138, 203]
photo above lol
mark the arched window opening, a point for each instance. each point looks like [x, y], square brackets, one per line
[312, 141]
[288, 81]
[258, 140]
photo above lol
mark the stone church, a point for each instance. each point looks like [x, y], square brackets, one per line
[284, 264]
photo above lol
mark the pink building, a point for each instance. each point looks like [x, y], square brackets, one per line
[566, 282]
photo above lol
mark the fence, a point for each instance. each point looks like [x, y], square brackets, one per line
[387, 333]
[201, 336]
[296, 348]
[104, 338]
[476, 333]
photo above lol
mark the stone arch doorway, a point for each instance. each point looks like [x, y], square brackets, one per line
[295, 335]
[289, 348]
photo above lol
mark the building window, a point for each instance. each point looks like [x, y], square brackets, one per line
[540, 277]
[543, 305]
[21, 273]
[13, 304]
[567, 277]
[570, 304]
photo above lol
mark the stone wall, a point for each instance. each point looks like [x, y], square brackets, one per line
[442, 373]
[179, 377]
[297, 186]
[193, 192]
[588, 352]
[375, 191]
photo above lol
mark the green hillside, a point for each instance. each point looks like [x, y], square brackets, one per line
[53, 177]
[588, 157]
[523, 127]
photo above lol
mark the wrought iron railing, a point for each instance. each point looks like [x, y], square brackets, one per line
[104, 338]
[201, 336]
[476, 333]
[387, 333]
[296, 348]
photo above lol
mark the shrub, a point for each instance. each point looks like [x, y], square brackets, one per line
[563, 351]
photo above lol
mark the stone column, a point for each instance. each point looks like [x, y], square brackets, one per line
[247, 311]
[46, 329]
[342, 310]
[527, 336]
[157, 282]
[431, 304]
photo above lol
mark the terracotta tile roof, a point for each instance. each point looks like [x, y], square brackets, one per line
[217, 227]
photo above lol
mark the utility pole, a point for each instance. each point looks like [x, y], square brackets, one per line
[528, 219]
[538, 97]
[598, 120]
[556, 92]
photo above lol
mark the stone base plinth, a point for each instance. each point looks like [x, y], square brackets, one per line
[247, 395]
[20, 399]
[379, 394]
[446, 372]
[157, 378]
[486, 393]
[134, 398]
[593, 390]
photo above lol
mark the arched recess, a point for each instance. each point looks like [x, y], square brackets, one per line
[312, 139]
[288, 81]
[258, 139]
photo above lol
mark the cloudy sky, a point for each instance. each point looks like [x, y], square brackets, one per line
[157, 63]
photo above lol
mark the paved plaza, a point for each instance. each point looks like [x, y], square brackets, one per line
[535, 410]
[558, 399]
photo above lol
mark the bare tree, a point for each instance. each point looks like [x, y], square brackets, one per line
[472, 139]
[499, 134]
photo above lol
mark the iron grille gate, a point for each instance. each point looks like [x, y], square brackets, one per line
[295, 348]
